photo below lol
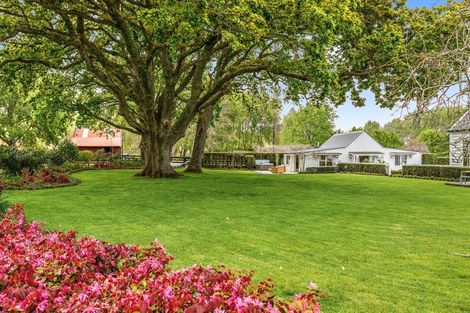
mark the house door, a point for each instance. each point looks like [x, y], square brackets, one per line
[297, 163]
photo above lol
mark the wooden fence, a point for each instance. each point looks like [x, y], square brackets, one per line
[223, 159]
[237, 159]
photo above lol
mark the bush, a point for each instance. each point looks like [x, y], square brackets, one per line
[397, 173]
[321, 169]
[4, 205]
[435, 158]
[66, 151]
[14, 161]
[369, 168]
[250, 161]
[434, 171]
[100, 155]
[56, 272]
[42, 178]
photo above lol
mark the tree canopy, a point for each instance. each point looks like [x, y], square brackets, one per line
[311, 125]
[162, 62]
[30, 113]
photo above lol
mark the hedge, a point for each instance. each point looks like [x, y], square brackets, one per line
[441, 158]
[434, 171]
[369, 168]
[322, 169]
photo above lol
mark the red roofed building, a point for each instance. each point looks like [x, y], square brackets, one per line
[94, 140]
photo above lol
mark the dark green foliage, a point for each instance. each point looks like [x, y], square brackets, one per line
[435, 158]
[369, 168]
[66, 151]
[4, 205]
[250, 161]
[14, 161]
[322, 169]
[434, 171]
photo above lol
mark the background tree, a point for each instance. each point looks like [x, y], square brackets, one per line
[311, 125]
[30, 107]
[243, 122]
[164, 62]
[435, 141]
[436, 58]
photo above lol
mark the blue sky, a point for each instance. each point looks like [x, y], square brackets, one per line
[349, 116]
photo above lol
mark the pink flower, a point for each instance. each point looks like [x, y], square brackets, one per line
[83, 297]
[42, 306]
[312, 285]
[316, 308]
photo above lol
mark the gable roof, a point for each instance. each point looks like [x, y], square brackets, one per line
[338, 141]
[462, 124]
[83, 137]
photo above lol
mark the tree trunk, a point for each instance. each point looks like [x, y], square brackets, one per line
[157, 158]
[197, 155]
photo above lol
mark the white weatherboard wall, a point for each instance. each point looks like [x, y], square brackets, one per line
[363, 145]
[456, 147]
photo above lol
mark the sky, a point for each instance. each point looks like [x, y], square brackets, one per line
[349, 116]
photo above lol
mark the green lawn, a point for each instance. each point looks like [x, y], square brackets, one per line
[375, 244]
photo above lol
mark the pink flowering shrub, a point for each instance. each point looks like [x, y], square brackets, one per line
[56, 272]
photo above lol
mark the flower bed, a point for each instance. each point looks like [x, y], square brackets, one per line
[56, 272]
[42, 178]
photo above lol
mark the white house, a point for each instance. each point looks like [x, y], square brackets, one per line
[352, 147]
[459, 142]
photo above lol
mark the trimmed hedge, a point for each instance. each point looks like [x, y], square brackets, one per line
[441, 158]
[321, 169]
[369, 168]
[434, 171]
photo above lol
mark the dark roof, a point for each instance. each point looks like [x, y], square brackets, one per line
[339, 141]
[462, 124]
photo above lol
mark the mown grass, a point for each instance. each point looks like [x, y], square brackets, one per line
[375, 244]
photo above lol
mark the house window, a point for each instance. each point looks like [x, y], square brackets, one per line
[397, 160]
[400, 160]
[326, 160]
[287, 159]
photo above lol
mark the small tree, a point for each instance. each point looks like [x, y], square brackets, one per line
[86, 156]
[434, 140]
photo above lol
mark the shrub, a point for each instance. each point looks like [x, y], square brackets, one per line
[435, 158]
[68, 150]
[442, 160]
[3, 203]
[56, 272]
[100, 155]
[397, 173]
[250, 161]
[321, 169]
[370, 168]
[14, 161]
[434, 171]
[85, 156]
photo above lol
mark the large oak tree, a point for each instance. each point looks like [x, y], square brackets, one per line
[165, 61]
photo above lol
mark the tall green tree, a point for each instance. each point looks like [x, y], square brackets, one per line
[165, 61]
[311, 125]
[435, 141]
[243, 122]
[30, 109]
